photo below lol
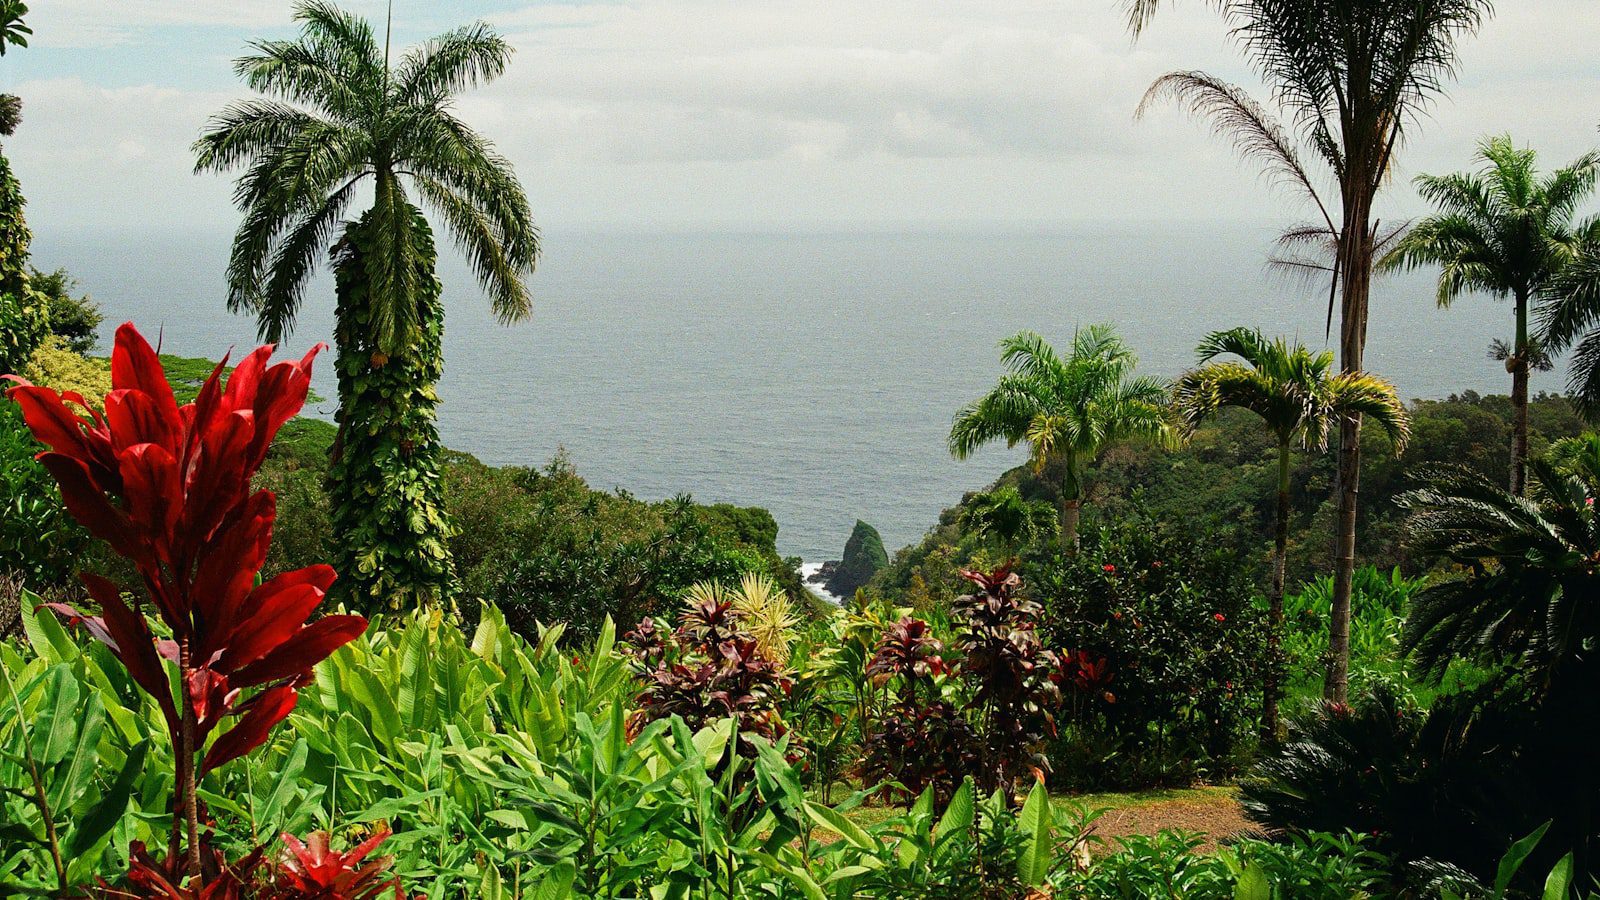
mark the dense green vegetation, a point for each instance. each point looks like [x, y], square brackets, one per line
[571, 693]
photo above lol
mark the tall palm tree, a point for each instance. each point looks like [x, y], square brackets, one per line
[1297, 395]
[1506, 232]
[335, 117]
[1066, 409]
[1352, 77]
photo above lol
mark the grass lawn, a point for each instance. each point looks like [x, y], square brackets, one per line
[1211, 811]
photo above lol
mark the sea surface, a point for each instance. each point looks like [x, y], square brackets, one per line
[811, 374]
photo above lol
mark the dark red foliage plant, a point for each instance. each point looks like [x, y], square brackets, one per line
[1016, 680]
[312, 871]
[921, 740]
[707, 669]
[169, 488]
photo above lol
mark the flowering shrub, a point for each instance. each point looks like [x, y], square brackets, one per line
[168, 488]
[1163, 681]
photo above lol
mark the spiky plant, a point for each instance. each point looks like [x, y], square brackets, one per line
[1507, 232]
[1352, 77]
[1299, 397]
[335, 117]
[1068, 409]
[1530, 597]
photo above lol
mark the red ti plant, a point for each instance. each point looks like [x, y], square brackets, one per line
[312, 871]
[168, 488]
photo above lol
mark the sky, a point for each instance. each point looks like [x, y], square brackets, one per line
[686, 115]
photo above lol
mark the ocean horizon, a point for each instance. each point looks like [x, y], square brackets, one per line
[811, 373]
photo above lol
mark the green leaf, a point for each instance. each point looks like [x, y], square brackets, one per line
[287, 786]
[1514, 858]
[558, 884]
[842, 826]
[958, 815]
[1560, 880]
[1252, 884]
[52, 736]
[93, 826]
[1038, 847]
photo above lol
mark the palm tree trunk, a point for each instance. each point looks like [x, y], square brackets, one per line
[1071, 511]
[1355, 261]
[1273, 685]
[1518, 364]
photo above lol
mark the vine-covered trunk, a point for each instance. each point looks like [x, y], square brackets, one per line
[1355, 264]
[1518, 364]
[1273, 682]
[391, 528]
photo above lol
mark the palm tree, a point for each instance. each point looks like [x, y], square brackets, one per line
[1297, 395]
[1570, 318]
[1506, 232]
[1009, 517]
[1352, 76]
[1530, 594]
[335, 117]
[1066, 409]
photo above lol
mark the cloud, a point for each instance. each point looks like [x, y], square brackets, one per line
[808, 113]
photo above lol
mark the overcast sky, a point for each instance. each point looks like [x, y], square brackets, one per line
[735, 114]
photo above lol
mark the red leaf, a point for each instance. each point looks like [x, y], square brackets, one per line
[134, 417]
[90, 507]
[299, 653]
[51, 422]
[278, 614]
[266, 710]
[135, 366]
[152, 492]
[135, 645]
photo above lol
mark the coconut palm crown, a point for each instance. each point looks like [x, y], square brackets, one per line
[336, 117]
[1067, 409]
[1506, 232]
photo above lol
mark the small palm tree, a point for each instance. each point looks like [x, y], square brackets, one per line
[1006, 515]
[336, 116]
[1506, 232]
[1297, 394]
[1067, 409]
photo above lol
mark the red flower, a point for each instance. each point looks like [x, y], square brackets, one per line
[168, 488]
[311, 870]
[1219, 617]
[1109, 567]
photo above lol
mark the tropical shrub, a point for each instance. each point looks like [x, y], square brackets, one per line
[921, 741]
[73, 320]
[1448, 783]
[709, 668]
[38, 540]
[1014, 680]
[1170, 633]
[24, 313]
[168, 489]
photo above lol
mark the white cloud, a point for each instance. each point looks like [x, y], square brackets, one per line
[813, 112]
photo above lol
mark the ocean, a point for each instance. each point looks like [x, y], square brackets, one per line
[812, 374]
